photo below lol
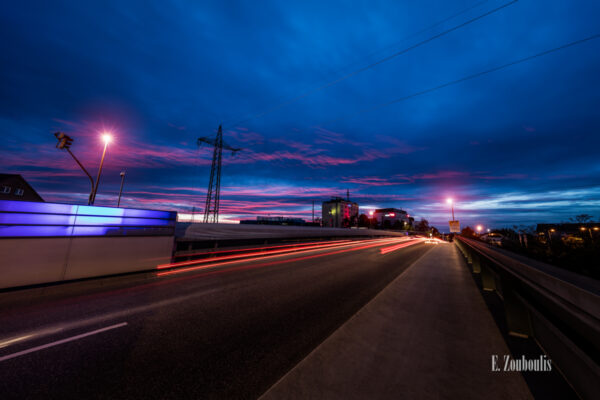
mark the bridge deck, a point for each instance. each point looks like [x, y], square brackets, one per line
[429, 334]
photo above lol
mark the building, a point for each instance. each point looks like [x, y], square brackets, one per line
[276, 221]
[15, 187]
[586, 229]
[391, 218]
[339, 213]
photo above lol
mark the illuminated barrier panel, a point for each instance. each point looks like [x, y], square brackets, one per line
[49, 242]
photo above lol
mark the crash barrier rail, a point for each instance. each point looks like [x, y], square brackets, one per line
[560, 310]
[194, 238]
[50, 242]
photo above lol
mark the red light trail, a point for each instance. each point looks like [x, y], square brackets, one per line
[251, 253]
[274, 254]
[387, 250]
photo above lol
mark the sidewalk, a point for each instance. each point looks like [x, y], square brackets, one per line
[428, 335]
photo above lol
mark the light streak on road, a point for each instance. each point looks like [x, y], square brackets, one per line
[387, 250]
[371, 243]
[296, 245]
[56, 343]
[249, 254]
[14, 340]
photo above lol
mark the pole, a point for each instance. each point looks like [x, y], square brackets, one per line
[313, 214]
[90, 201]
[453, 211]
[99, 172]
[121, 189]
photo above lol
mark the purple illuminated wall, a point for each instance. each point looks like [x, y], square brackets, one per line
[30, 219]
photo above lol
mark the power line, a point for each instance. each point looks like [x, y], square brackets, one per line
[466, 78]
[381, 61]
[430, 27]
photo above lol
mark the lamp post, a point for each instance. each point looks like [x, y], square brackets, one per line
[106, 138]
[451, 202]
[65, 142]
[121, 189]
[583, 228]
[479, 228]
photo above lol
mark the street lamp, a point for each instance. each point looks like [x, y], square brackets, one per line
[583, 228]
[479, 228]
[106, 138]
[64, 143]
[451, 202]
[121, 189]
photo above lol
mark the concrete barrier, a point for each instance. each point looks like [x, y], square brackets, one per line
[49, 242]
[200, 231]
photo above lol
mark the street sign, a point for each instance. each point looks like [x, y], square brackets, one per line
[454, 226]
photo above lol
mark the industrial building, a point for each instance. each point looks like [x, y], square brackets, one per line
[339, 213]
[390, 217]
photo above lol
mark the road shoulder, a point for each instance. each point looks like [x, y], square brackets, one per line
[428, 334]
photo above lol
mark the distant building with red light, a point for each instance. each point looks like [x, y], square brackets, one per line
[391, 217]
[339, 213]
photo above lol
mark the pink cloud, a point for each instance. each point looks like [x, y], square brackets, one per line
[180, 128]
[245, 136]
[325, 136]
[377, 181]
[505, 177]
[441, 175]
[395, 146]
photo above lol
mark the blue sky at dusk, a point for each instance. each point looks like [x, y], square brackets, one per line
[517, 146]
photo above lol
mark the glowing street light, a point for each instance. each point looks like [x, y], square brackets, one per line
[479, 228]
[107, 138]
[451, 202]
[583, 228]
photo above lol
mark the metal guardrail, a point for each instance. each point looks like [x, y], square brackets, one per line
[560, 310]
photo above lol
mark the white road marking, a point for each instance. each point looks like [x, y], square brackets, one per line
[69, 339]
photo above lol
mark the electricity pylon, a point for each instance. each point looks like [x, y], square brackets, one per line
[211, 208]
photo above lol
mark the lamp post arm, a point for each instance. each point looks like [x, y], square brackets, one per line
[95, 189]
[87, 173]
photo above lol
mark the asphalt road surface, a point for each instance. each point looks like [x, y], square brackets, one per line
[225, 331]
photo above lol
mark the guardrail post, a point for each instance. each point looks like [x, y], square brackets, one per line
[476, 266]
[517, 314]
[488, 281]
[469, 255]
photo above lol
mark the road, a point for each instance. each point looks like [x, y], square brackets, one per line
[226, 329]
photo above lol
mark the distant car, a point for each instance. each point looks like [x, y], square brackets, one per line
[493, 238]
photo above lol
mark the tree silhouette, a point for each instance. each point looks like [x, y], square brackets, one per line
[582, 218]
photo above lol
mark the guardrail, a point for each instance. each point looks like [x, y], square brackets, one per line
[194, 237]
[560, 310]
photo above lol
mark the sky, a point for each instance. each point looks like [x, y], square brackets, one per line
[517, 146]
